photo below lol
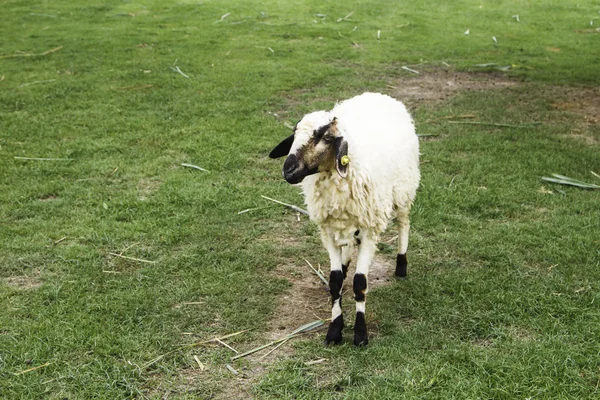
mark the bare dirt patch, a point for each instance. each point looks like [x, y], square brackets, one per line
[24, 282]
[283, 240]
[584, 105]
[584, 137]
[148, 186]
[436, 85]
[585, 102]
[305, 301]
[432, 85]
[520, 333]
[308, 298]
[48, 197]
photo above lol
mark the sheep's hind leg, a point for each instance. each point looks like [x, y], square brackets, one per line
[346, 258]
[336, 281]
[360, 286]
[403, 229]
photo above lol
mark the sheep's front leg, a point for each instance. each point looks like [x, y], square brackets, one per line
[336, 281]
[366, 251]
[403, 228]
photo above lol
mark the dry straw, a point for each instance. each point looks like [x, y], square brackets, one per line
[565, 180]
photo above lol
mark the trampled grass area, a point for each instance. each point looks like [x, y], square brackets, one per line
[502, 298]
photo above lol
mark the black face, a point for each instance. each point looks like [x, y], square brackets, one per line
[318, 154]
[295, 171]
[309, 158]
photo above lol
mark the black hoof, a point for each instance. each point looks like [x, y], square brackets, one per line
[333, 341]
[401, 264]
[360, 340]
[334, 333]
[361, 337]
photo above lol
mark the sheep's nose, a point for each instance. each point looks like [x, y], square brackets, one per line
[290, 165]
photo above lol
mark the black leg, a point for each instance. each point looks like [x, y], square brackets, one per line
[361, 337]
[345, 269]
[401, 264]
[334, 333]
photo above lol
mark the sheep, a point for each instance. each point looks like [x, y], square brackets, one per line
[358, 166]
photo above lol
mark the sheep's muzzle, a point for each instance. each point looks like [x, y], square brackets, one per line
[294, 171]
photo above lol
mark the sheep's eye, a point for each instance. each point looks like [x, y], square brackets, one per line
[328, 138]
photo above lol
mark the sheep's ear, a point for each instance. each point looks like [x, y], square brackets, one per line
[283, 148]
[341, 156]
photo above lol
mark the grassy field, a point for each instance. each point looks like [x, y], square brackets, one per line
[502, 300]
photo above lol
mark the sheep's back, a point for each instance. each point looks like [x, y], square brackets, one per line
[380, 134]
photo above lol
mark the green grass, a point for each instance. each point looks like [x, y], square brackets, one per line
[502, 299]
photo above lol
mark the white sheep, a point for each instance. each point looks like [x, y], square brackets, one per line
[358, 166]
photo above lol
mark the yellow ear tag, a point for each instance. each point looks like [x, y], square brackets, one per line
[345, 160]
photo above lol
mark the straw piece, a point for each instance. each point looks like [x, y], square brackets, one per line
[565, 180]
[230, 368]
[35, 83]
[196, 344]
[135, 87]
[32, 54]
[303, 329]
[295, 208]
[194, 166]
[176, 69]
[59, 240]
[31, 369]
[247, 210]
[308, 327]
[43, 159]
[346, 17]
[215, 339]
[404, 67]
[228, 346]
[319, 274]
[128, 247]
[274, 348]
[449, 117]
[264, 346]
[200, 365]
[495, 124]
[317, 361]
[132, 258]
